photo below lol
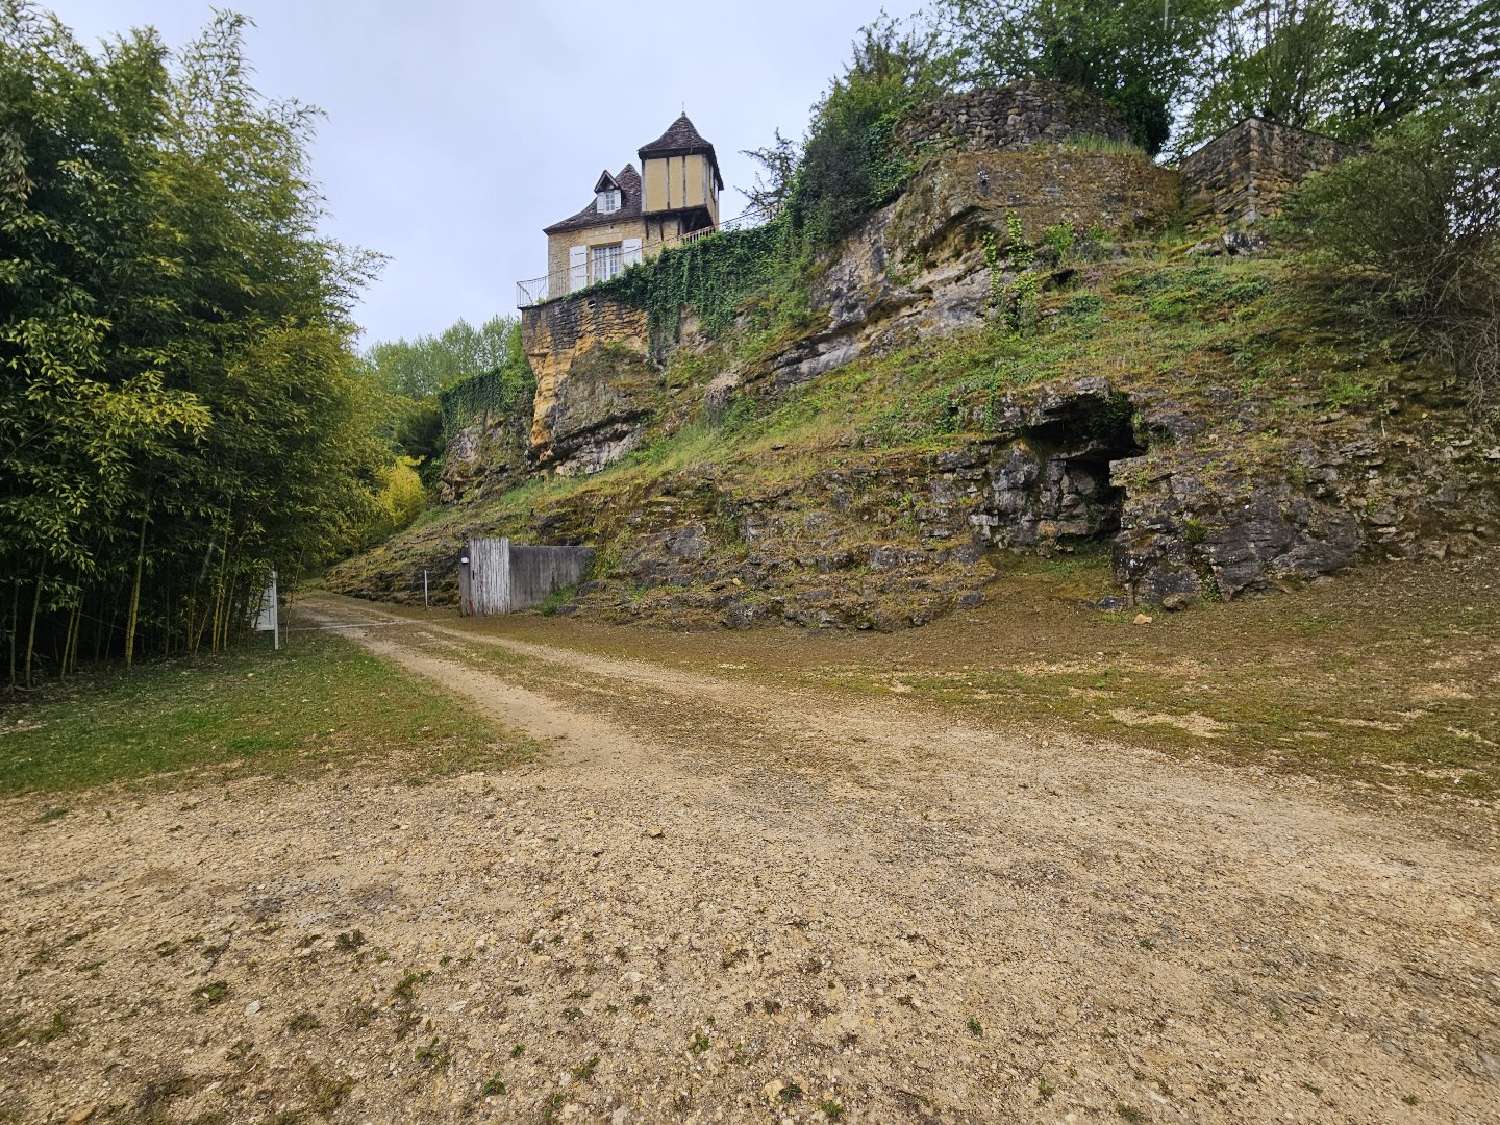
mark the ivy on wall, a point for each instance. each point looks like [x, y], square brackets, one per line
[711, 276]
[489, 396]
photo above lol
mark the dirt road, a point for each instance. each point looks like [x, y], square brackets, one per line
[709, 900]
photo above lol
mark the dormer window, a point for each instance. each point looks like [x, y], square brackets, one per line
[609, 202]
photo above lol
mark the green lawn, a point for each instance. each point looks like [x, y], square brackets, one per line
[321, 702]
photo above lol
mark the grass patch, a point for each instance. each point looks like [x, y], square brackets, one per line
[321, 702]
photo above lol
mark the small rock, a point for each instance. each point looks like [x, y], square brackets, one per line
[253, 1007]
[1141, 619]
[1174, 602]
[82, 1113]
[656, 832]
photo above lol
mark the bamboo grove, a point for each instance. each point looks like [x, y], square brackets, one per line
[181, 410]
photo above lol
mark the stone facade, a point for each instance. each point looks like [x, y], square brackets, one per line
[603, 234]
[1243, 174]
[1011, 117]
[594, 387]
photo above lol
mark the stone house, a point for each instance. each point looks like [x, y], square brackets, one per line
[634, 214]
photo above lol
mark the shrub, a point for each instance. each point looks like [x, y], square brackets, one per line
[851, 163]
[1420, 211]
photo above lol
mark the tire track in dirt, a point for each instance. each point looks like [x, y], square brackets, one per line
[713, 900]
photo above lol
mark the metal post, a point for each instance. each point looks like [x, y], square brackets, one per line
[424, 588]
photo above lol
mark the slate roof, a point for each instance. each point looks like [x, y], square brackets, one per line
[629, 181]
[682, 139]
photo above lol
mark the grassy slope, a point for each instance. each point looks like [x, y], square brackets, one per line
[321, 702]
[1282, 347]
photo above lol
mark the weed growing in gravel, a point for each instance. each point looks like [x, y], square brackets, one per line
[976, 1029]
[1130, 1113]
[494, 1087]
[303, 1021]
[831, 1109]
[325, 1092]
[406, 988]
[584, 1071]
[699, 1043]
[435, 1055]
[791, 1092]
[207, 995]
[518, 1050]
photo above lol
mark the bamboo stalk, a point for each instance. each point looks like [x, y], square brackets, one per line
[15, 626]
[36, 603]
[135, 590]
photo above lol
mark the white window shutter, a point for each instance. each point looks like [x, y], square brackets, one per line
[630, 252]
[578, 268]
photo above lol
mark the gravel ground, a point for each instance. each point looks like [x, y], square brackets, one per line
[710, 901]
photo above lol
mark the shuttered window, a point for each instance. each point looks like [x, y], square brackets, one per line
[607, 262]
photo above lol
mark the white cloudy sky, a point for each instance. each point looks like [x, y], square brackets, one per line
[457, 129]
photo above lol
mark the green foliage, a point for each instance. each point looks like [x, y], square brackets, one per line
[428, 365]
[401, 498]
[486, 398]
[180, 408]
[711, 276]
[1420, 213]
[850, 163]
[1348, 67]
[1136, 54]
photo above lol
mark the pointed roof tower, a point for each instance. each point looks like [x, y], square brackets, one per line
[683, 139]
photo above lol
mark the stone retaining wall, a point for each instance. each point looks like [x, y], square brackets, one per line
[1011, 117]
[1244, 173]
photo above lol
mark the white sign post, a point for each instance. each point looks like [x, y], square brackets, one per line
[268, 619]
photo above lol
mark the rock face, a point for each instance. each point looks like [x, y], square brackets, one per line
[920, 266]
[595, 389]
[1196, 495]
[486, 457]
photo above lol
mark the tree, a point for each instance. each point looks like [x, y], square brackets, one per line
[1420, 212]
[1347, 67]
[180, 409]
[850, 162]
[1136, 54]
[773, 183]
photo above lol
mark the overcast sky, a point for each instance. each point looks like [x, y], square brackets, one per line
[457, 129]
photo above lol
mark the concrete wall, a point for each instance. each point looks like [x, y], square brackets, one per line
[1244, 173]
[504, 577]
[538, 572]
[1016, 116]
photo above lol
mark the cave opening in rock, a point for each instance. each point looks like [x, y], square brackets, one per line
[1077, 500]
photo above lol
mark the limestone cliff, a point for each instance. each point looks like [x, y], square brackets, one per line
[868, 461]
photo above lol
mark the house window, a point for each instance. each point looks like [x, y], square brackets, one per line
[609, 202]
[607, 262]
